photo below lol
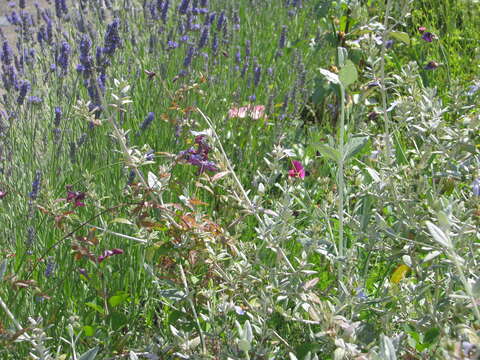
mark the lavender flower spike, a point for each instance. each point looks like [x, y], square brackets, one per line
[64, 56]
[112, 38]
[24, 87]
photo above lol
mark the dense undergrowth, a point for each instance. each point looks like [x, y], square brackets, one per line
[249, 179]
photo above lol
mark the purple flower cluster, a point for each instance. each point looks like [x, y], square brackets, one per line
[199, 156]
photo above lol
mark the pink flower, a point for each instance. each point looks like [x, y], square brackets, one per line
[422, 29]
[298, 171]
[2, 194]
[254, 111]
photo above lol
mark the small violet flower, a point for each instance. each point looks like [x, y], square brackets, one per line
[428, 36]
[298, 171]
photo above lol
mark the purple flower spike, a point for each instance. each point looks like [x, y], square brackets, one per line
[24, 87]
[7, 53]
[188, 59]
[204, 37]
[182, 9]
[283, 37]
[148, 120]
[63, 57]
[112, 38]
[476, 187]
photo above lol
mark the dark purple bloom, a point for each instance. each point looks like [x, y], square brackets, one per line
[24, 87]
[188, 59]
[21, 4]
[9, 78]
[148, 120]
[432, 65]
[252, 98]
[86, 61]
[64, 56]
[165, 11]
[215, 43]
[75, 197]
[221, 21]
[210, 19]
[101, 81]
[112, 38]
[50, 267]
[388, 44]
[204, 3]
[159, 5]
[58, 116]
[35, 185]
[204, 37]
[257, 71]
[283, 37]
[184, 38]
[182, 9]
[60, 8]
[248, 48]
[7, 53]
[428, 36]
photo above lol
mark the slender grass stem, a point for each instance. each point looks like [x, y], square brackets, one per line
[383, 88]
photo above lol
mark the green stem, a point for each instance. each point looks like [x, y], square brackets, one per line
[341, 182]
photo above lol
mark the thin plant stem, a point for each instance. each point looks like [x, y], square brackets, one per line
[192, 306]
[341, 182]
[383, 88]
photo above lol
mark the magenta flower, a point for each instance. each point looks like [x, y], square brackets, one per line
[2, 194]
[298, 171]
[108, 253]
[75, 197]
